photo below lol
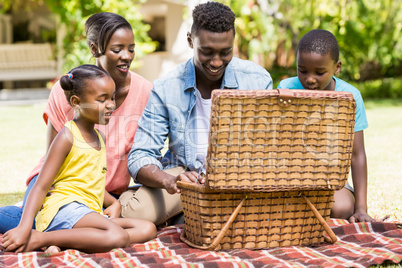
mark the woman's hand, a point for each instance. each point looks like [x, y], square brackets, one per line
[16, 239]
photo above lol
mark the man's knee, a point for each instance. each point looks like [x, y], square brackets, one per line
[151, 204]
[131, 207]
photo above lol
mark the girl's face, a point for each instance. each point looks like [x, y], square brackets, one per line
[119, 54]
[212, 53]
[97, 103]
[315, 71]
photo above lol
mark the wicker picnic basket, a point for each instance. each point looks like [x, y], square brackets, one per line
[274, 159]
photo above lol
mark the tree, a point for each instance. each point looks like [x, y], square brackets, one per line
[72, 16]
[368, 32]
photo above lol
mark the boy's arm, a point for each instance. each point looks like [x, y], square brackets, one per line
[17, 238]
[359, 177]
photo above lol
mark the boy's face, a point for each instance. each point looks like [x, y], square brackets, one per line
[315, 71]
[212, 53]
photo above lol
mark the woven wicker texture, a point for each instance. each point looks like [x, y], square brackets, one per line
[267, 219]
[256, 143]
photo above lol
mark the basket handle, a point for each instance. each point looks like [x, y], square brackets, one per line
[221, 234]
[323, 223]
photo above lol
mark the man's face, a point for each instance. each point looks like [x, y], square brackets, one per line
[212, 53]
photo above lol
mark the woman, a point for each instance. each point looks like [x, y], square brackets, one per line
[111, 40]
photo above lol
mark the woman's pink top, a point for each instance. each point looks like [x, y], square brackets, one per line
[119, 132]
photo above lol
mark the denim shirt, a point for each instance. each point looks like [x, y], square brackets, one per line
[170, 113]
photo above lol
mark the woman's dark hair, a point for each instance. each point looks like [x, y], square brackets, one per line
[320, 42]
[214, 17]
[101, 26]
[75, 81]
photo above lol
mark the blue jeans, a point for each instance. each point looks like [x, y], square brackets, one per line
[10, 216]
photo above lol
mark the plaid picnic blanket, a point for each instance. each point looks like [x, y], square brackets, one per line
[359, 245]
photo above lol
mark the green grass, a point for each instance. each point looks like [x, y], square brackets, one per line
[23, 135]
[10, 199]
[22, 143]
[384, 157]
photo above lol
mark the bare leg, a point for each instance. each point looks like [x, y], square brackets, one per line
[93, 233]
[139, 230]
[344, 204]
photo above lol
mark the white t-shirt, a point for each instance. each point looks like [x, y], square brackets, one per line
[203, 108]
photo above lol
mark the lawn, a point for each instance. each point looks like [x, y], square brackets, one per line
[23, 134]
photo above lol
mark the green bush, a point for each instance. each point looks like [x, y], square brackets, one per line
[380, 88]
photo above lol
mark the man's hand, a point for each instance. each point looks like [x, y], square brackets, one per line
[191, 176]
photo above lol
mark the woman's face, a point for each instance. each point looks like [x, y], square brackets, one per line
[118, 55]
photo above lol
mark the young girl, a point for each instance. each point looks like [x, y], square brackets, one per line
[70, 216]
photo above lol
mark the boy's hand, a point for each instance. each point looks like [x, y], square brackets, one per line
[16, 239]
[360, 217]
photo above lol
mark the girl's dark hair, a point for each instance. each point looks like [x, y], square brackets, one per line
[75, 82]
[320, 42]
[101, 26]
[214, 17]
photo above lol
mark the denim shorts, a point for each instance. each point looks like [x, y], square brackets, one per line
[349, 187]
[67, 216]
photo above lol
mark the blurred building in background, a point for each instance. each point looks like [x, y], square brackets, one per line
[31, 43]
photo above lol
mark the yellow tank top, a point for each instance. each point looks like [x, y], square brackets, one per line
[81, 178]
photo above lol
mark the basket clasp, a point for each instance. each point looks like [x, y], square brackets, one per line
[285, 97]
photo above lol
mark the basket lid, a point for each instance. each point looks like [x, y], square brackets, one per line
[274, 140]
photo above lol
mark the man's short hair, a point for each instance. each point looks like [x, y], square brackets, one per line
[214, 17]
[320, 42]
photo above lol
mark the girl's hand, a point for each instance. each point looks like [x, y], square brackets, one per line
[114, 210]
[16, 239]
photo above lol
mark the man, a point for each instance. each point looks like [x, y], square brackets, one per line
[179, 108]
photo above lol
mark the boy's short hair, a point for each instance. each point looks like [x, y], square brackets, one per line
[320, 42]
[214, 17]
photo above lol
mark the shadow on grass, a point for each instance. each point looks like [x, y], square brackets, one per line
[11, 199]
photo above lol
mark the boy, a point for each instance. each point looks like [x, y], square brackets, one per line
[317, 64]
